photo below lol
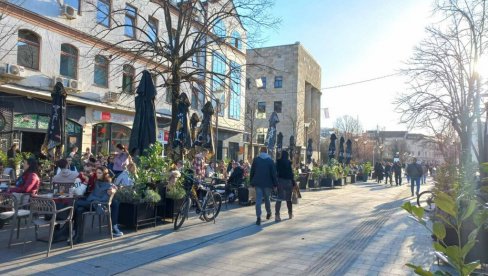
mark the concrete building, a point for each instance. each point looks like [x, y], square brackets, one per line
[408, 145]
[44, 41]
[285, 79]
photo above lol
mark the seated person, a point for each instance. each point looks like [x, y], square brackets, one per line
[237, 176]
[65, 175]
[6, 173]
[127, 177]
[69, 166]
[29, 182]
[102, 191]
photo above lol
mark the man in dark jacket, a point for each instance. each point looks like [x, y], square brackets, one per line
[414, 171]
[263, 178]
[397, 170]
[388, 173]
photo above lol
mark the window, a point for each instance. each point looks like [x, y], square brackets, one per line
[103, 12]
[218, 79]
[235, 91]
[219, 29]
[260, 138]
[196, 100]
[263, 83]
[277, 107]
[152, 31]
[69, 61]
[248, 83]
[236, 40]
[261, 110]
[73, 3]
[128, 79]
[278, 82]
[130, 21]
[28, 49]
[101, 71]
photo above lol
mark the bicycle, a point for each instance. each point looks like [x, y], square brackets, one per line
[208, 208]
[426, 200]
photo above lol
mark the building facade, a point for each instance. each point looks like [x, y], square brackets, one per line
[284, 79]
[43, 42]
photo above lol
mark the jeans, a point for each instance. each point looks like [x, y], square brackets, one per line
[398, 179]
[82, 206]
[412, 184]
[260, 193]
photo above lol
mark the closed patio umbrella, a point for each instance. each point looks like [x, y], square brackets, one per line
[279, 143]
[56, 128]
[309, 151]
[341, 150]
[348, 151]
[205, 133]
[271, 136]
[332, 146]
[144, 126]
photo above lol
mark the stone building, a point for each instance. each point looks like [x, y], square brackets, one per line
[45, 41]
[285, 79]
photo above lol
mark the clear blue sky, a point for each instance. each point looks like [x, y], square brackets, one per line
[355, 40]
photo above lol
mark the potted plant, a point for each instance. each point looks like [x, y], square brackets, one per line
[328, 176]
[139, 203]
[316, 176]
[367, 168]
[338, 175]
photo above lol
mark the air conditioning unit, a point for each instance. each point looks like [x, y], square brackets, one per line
[12, 71]
[111, 97]
[74, 85]
[69, 12]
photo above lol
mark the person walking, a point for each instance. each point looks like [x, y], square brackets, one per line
[263, 178]
[397, 170]
[378, 171]
[121, 159]
[285, 185]
[414, 171]
[388, 173]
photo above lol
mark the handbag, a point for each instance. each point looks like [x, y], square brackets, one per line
[295, 195]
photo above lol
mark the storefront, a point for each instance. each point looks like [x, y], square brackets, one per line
[24, 121]
[106, 136]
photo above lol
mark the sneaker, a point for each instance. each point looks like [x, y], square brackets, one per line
[290, 215]
[258, 221]
[277, 218]
[268, 216]
[116, 232]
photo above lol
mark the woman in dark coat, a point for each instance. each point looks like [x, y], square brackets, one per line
[285, 184]
[378, 171]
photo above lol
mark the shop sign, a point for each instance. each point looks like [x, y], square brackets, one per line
[163, 136]
[111, 117]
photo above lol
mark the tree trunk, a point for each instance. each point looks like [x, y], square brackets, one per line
[175, 93]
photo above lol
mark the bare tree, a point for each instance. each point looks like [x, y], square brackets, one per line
[194, 32]
[7, 30]
[348, 127]
[251, 121]
[444, 81]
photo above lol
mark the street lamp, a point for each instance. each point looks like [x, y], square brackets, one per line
[364, 149]
[307, 125]
[218, 95]
[356, 144]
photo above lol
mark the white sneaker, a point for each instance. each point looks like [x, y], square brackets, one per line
[116, 232]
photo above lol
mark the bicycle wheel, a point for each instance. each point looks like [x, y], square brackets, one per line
[212, 207]
[426, 200]
[182, 213]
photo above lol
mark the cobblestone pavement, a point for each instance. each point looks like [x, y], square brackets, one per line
[358, 229]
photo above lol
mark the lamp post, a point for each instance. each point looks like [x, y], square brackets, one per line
[218, 95]
[307, 125]
[356, 140]
[364, 149]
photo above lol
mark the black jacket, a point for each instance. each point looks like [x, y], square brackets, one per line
[263, 172]
[414, 170]
[397, 168]
[283, 167]
[237, 176]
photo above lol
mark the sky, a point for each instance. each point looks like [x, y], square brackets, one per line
[356, 40]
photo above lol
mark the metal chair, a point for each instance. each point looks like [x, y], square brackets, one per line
[13, 211]
[46, 206]
[106, 212]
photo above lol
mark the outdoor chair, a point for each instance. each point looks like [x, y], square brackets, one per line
[100, 209]
[13, 210]
[47, 207]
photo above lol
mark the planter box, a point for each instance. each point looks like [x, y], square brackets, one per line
[353, 178]
[170, 208]
[135, 215]
[365, 177]
[326, 182]
[312, 183]
[339, 182]
[303, 180]
[348, 179]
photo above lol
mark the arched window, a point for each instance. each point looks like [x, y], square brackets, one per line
[69, 61]
[128, 79]
[219, 29]
[236, 40]
[28, 49]
[101, 71]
